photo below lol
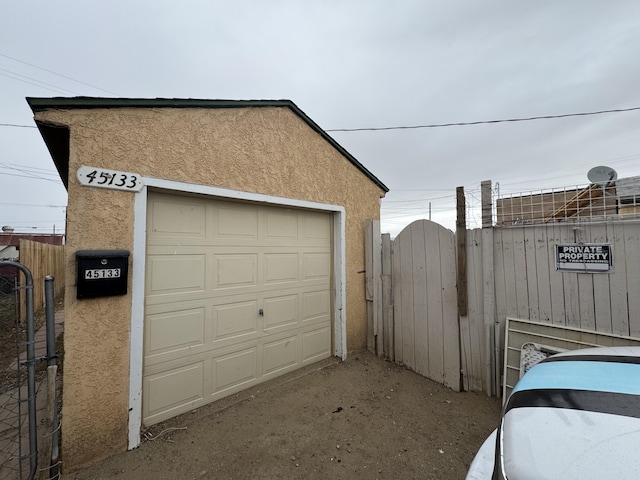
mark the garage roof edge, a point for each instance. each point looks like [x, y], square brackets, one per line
[39, 104]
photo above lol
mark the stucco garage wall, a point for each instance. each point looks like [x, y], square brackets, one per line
[266, 150]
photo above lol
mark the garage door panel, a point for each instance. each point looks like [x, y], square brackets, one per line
[316, 344]
[235, 320]
[169, 274]
[281, 225]
[316, 266]
[175, 390]
[279, 354]
[155, 364]
[238, 270]
[316, 228]
[280, 312]
[316, 306]
[236, 222]
[169, 216]
[235, 369]
[167, 246]
[280, 268]
[171, 332]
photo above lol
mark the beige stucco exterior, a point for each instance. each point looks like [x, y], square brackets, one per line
[268, 150]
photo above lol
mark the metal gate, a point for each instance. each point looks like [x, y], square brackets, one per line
[21, 378]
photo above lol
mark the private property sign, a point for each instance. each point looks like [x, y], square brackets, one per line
[584, 257]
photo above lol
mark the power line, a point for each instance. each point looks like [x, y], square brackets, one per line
[629, 161]
[421, 199]
[16, 125]
[439, 125]
[47, 171]
[32, 205]
[422, 189]
[58, 74]
[34, 81]
[33, 177]
[28, 171]
[483, 122]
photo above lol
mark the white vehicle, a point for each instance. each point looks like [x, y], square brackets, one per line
[575, 415]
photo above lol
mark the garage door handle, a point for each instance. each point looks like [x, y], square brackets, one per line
[261, 312]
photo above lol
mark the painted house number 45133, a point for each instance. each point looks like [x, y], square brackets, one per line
[103, 178]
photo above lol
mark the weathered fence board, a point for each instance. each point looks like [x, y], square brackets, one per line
[435, 304]
[601, 283]
[491, 326]
[403, 300]
[632, 255]
[472, 327]
[532, 306]
[373, 286]
[618, 283]
[387, 292]
[556, 282]
[420, 362]
[542, 267]
[41, 259]
[519, 271]
[451, 322]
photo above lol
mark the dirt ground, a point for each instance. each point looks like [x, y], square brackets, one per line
[362, 418]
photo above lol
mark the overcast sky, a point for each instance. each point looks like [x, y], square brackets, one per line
[346, 64]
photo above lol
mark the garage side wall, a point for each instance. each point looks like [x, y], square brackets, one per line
[267, 150]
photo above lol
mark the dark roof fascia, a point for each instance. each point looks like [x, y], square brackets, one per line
[56, 138]
[75, 103]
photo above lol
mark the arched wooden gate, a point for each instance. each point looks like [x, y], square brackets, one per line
[422, 331]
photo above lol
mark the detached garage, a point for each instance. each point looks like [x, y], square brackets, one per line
[244, 225]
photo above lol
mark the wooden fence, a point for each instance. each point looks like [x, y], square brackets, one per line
[510, 272]
[42, 259]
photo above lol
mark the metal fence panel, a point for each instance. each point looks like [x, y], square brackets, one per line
[27, 357]
[18, 453]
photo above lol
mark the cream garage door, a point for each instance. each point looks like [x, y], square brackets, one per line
[235, 294]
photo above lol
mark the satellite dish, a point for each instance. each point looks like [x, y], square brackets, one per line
[602, 175]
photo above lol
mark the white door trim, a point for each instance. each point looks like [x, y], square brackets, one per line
[136, 340]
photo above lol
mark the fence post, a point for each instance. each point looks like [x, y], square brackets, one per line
[373, 285]
[49, 454]
[368, 284]
[387, 297]
[377, 287]
[461, 244]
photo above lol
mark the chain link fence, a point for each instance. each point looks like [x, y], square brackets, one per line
[14, 428]
[28, 403]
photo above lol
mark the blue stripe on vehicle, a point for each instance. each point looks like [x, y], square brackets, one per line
[583, 375]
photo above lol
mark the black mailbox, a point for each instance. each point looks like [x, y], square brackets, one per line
[102, 273]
